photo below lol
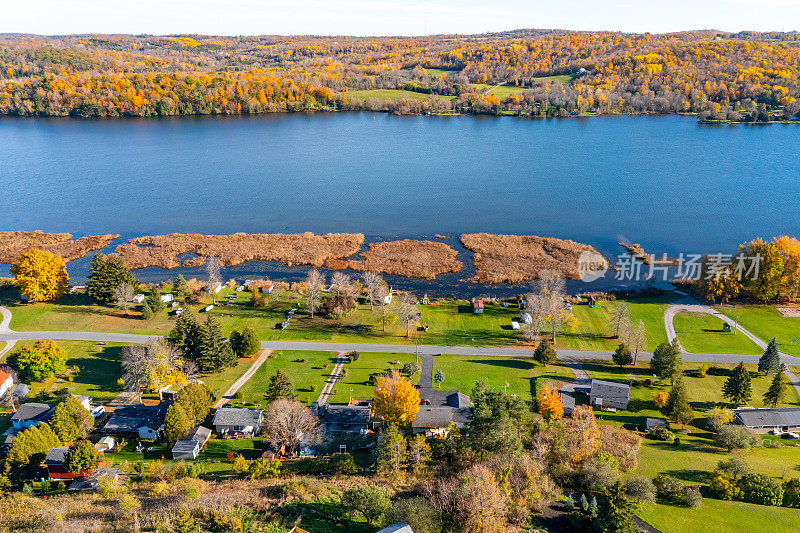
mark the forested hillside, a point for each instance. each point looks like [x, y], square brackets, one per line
[721, 76]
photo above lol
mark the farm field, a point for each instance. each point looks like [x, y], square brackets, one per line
[394, 94]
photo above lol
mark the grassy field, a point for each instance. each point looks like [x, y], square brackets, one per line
[454, 323]
[702, 333]
[462, 372]
[305, 370]
[93, 368]
[716, 516]
[357, 375]
[766, 322]
[394, 94]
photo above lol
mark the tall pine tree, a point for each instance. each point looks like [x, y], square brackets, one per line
[279, 387]
[666, 361]
[777, 389]
[215, 352]
[737, 387]
[105, 275]
[678, 407]
[770, 361]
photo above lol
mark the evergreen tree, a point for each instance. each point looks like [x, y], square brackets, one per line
[593, 507]
[777, 389]
[391, 451]
[188, 336]
[545, 354]
[181, 287]
[147, 311]
[770, 361]
[438, 377]
[215, 353]
[105, 275]
[70, 421]
[176, 424]
[154, 301]
[584, 503]
[279, 387]
[32, 442]
[82, 456]
[737, 387]
[246, 343]
[678, 407]
[666, 361]
[622, 356]
[616, 513]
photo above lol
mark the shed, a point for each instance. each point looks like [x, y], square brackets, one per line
[167, 298]
[526, 318]
[139, 298]
[515, 325]
[200, 434]
[726, 328]
[609, 394]
[477, 306]
[186, 449]
[567, 402]
[105, 444]
[652, 424]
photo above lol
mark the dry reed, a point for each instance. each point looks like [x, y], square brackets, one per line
[15, 243]
[407, 258]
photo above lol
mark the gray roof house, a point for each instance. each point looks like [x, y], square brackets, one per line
[438, 409]
[444, 398]
[609, 394]
[231, 421]
[191, 446]
[652, 424]
[30, 414]
[764, 420]
[144, 421]
[399, 527]
[345, 418]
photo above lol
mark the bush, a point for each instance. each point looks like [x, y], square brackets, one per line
[733, 467]
[791, 493]
[691, 497]
[265, 468]
[668, 488]
[662, 434]
[340, 463]
[370, 501]
[640, 489]
[761, 489]
[353, 356]
[417, 513]
[736, 437]
[725, 489]
[240, 465]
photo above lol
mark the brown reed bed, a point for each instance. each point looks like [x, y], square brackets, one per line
[407, 258]
[292, 249]
[519, 258]
[15, 243]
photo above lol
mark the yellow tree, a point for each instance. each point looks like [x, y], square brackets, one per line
[790, 281]
[549, 402]
[396, 400]
[660, 399]
[40, 275]
[583, 435]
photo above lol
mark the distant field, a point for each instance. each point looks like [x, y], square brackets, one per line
[504, 91]
[766, 322]
[717, 516]
[394, 94]
[702, 333]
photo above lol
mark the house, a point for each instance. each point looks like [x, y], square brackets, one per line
[267, 289]
[6, 383]
[526, 318]
[609, 394]
[388, 298]
[234, 421]
[84, 400]
[652, 424]
[191, 446]
[56, 464]
[477, 306]
[138, 420]
[139, 298]
[217, 288]
[167, 298]
[442, 398]
[345, 418]
[438, 409]
[765, 420]
[567, 402]
[105, 444]
[30, 414]
[399, 527]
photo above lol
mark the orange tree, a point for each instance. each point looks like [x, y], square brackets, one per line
[40, 275]
[396, 400]
[549, 403]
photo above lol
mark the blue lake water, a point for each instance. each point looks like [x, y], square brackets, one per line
[665, 182]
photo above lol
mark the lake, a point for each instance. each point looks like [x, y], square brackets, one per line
[665, 182]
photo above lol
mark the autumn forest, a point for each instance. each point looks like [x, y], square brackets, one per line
[750, 77]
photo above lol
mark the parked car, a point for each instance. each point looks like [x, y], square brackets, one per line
[790, 435]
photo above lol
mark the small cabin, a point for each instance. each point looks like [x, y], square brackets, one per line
[139, 298]
[167, 298]
[477, 306]
[726, 328]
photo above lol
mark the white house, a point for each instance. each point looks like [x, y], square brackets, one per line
[139, 298]
[388, 299]
[237, 421]
[6, 383]
[167, 298]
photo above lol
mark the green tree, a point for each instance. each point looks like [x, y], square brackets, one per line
[666, 361]
[279, 387]
[39, 362]
[370, 501]
[188, 336]
[411, 368]
[71, 421]
[105, 275]
[147, 311]
[438, 377]
[154, 301]
[32, 442]
[622, 356]
[340, 463]
[777, 389]
[391, 451]
[263, 468]
[736, 437]
[215, 352]
[419, 453]
[196, 400]
[246, 343]
[737, 387]
[545, 354]
[767, 283]
[678, 408]
[82, 456]
[770, 361]
[616, 511]
[176, 424]
[181, 287]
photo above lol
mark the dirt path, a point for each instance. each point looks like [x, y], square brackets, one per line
[341, 358]
[233, 389]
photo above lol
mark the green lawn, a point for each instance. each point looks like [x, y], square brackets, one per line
[357, 375]
[453, 322]
[462, 372]
[766, 322]
[98, 368]
[716, 516]
[304, 369]
[702, 333]
[394, 94]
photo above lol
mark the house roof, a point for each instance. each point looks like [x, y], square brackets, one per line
[399, 527]
[4, 376]
[441, 417]
[56, 456]
[129, 418]
[567, 401]
[346, 415]
[655, 423]
[185, 446]
[199, 433]
[237, 416]
[786, 416]
[441, 398]
[32, 411]
[610, 390]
